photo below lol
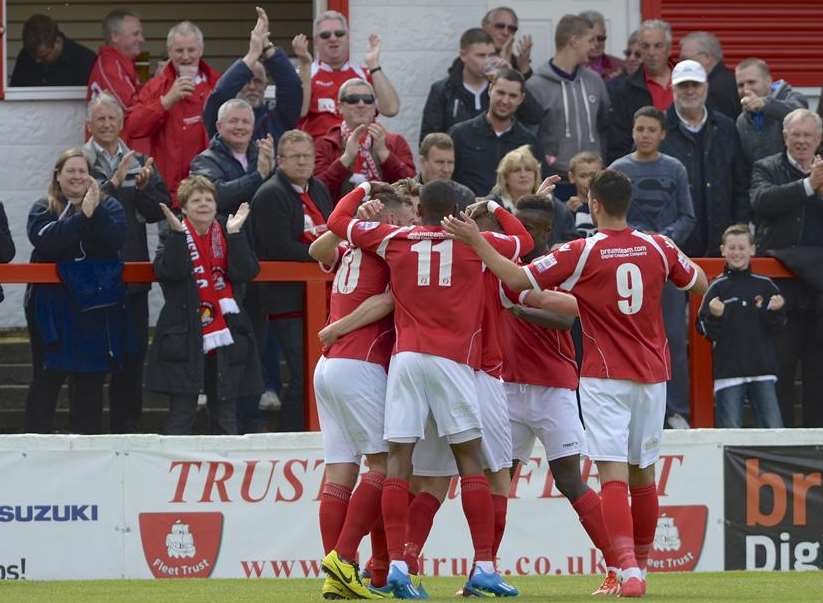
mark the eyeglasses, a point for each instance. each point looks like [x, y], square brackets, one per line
[298, 156]
[353, 99]
[512, 29]
[601, 39]
[338, 33]
[628, 53]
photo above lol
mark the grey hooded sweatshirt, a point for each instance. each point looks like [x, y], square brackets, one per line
[575, 114]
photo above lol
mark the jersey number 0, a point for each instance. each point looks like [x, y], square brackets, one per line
[424, 250]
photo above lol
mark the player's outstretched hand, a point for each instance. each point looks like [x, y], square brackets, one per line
[463, 228]
[380, 187]
[369, 209]
[548, 185]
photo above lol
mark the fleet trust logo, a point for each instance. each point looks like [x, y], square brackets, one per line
[181, 545]
[679, 538]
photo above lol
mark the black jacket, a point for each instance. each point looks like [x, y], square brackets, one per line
[743, 336]
[175, 359]
[721, 172]
[478, 150]
[450, 103]
[234, 184]
[141, 207]
[723, 94]
[72, 67]
[784, 216]
[563, 229]
[277, 229]
[627, 97]
[6, 243]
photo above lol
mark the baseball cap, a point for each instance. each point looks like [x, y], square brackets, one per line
[688, 71]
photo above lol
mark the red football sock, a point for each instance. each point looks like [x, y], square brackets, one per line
[500, 504]
[421, 517]
[379, 564]
[590, 512]
[395, 515]
[614, 496]
[479, 511]
[363, 508]
[644, 516]
[334, 501]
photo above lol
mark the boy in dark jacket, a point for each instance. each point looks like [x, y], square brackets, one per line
[739, 314]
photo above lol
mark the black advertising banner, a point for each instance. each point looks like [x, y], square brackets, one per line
[773, 507]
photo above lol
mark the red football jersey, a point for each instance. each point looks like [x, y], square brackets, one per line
[617, 277]
[534, 355]
[325, 84]
[360, 275]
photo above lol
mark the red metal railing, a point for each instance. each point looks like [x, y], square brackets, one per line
[700, 357]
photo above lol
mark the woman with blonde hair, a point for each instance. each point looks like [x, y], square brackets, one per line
[76, 327]
[518, 175]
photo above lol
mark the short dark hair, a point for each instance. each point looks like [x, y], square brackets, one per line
[535, 202]
[511, 75]
[39, 30]
[465, 195]
[393, 200]
[652, 112]
[487, 18]
[568, 27]
[737, 229]
[613, 190]
[475, 35]
[762, 65]
[438, 199]
[440, 140]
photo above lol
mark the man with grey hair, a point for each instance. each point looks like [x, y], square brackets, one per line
[787, 202]
[501, 23]
[360, 149]
[114, 70]
[765, 103]
[246, 79]
[169, 108]
[649, 85]
[705, 48]
[130, 178]
[606, 65]
[323, 77]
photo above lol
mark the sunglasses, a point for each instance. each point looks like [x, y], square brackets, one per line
[338, 33]
[353, 99]
[636, 54]
[512, 29]
[601, 39]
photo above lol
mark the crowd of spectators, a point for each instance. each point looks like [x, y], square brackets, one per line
[723, 161]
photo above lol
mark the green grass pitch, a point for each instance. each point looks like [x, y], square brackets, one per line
[678, 588]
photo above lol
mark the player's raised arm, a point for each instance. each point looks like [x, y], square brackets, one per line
[466, 230]
[343, 213]
[324, 248]
[512, 226]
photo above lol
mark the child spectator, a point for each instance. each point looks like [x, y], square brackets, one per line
[739, 314]
[582, 169]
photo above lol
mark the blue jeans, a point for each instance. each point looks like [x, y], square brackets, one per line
[762, 396]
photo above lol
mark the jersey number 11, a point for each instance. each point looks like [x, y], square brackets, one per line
[424, 250]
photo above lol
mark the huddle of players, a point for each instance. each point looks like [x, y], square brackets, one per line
[462, 302]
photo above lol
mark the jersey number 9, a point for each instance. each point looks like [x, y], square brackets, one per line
[629, 288]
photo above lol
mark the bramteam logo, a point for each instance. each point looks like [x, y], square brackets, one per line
[367, 225]
[181, 545]
[544, 263]
[678, 541]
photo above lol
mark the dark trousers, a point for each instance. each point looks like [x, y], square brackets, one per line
[126, 386]
[289, 333]
[183, 407]
[674, 304]
[85, 393]
[797, 343]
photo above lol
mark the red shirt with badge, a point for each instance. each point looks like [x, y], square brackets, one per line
[359, 276]
[325, 84]
[437, 282]
[617, 277]
[534, 355]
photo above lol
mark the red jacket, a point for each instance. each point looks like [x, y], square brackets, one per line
[177, 135]
[329, 170]
[115, 73]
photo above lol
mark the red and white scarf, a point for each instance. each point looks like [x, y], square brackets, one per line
[365, 167]
[209, 262]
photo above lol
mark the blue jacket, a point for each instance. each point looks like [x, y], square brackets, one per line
[75, 341]
[269, 118]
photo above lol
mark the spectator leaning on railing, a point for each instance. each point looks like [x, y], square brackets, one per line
[204, 338]
[76, 328]
[6, 243]
[130, 178]
[246, 79]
